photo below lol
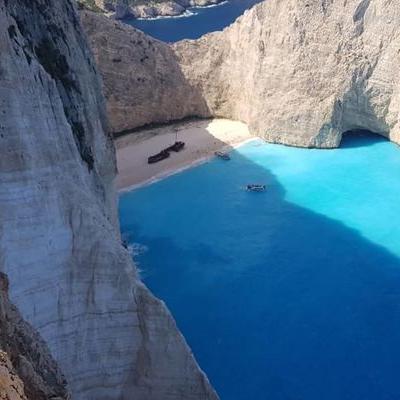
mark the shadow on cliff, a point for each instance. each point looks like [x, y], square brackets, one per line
[161, 96]
[276, 301]
[143, 80]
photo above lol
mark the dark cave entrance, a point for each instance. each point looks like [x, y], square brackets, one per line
[360, 138]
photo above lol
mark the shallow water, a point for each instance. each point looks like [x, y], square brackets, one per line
[202, 21]
[291, 294]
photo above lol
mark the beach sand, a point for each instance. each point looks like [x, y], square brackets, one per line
[202, 138]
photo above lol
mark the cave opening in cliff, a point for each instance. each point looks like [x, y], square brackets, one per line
[360, 138]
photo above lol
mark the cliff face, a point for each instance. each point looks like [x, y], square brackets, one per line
[303, 72]
[59, 238]
[27, 371]
[132, 62]
[299, 72]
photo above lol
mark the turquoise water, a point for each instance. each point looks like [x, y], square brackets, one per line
[203, 20]
[291, 294]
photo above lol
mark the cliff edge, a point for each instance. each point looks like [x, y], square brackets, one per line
[70, 276]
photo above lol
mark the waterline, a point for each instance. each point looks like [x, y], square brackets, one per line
[292, 293]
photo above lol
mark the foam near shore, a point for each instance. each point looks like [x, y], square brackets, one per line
[202, 138]
[185, 14]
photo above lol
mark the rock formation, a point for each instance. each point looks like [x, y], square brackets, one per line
[312, 70]
[70, 276]
[27, 371]
[121, 9]
[299, 72]
[132, 62]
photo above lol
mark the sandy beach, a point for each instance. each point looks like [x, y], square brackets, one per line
[202, 138]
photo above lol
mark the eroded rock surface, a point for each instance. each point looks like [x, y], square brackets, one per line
[27, 371]
[59, 237]
[299, 72]
[303, 72]
[142, 80]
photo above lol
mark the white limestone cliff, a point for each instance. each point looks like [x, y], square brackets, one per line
[302, 72]
[59, 238]
[299, 72]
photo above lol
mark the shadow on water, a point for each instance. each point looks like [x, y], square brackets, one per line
[360, 138]
[276, 301]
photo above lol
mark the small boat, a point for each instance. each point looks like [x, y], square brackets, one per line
[223, 156]
[177, 146]
[255, 188]
[162, 155]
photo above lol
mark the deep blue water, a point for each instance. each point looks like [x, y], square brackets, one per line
[291, 294]
[203, 20]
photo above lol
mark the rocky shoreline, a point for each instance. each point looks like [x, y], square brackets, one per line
[124, 9]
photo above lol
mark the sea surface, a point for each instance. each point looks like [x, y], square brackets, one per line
[290, 294]
[197, 22]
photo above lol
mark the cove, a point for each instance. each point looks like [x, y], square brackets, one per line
[291, 294]
[201, 20]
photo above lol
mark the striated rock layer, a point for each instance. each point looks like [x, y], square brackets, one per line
[27, 371]
[59, 238]
[299, 72]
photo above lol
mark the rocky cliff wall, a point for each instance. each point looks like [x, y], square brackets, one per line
[59, 238]
[132, 62]
[27, 371]
[299, 72]
[303, 72]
